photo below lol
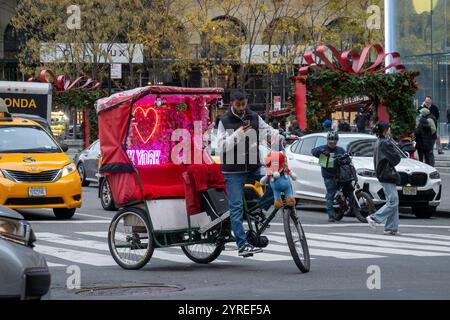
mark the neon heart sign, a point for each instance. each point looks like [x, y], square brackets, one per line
[155, 126]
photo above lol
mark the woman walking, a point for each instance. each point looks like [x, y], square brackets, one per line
[386, 157]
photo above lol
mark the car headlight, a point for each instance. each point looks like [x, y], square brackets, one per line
[70, 168]
[363, 172]
[17, 231]
[435, 175]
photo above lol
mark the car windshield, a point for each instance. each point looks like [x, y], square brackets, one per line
[360, 147]
[20, 139]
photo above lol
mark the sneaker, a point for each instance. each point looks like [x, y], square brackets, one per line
[248, 250]
[372, 223]
[391, 233]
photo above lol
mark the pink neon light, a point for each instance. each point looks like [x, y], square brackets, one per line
[144, 157]
[144, 141]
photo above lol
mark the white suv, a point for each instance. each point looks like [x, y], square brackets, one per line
[420, 186]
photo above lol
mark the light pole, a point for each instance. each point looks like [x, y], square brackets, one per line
[390, 10]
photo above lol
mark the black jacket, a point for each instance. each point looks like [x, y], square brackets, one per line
[435, 112]
[385, 158]
[241, 162]
[424, 137]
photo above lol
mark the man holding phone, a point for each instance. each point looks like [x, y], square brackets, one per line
[240, 133]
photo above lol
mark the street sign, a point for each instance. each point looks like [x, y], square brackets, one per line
[275, 54]
[116, 71]
[89, 53]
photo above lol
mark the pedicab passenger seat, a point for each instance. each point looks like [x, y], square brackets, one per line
[162, 181]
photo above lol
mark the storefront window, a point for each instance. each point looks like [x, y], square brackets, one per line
[423, 40]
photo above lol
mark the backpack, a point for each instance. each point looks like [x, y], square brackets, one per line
[345, 171]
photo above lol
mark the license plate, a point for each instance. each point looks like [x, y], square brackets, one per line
[34, 192]
[409, 191]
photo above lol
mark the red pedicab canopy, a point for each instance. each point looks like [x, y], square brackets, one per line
[137, 130]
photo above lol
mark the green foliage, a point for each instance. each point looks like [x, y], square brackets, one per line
[326, 88]
[78, 100]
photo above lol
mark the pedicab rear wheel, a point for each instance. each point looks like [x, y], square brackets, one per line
[203, 253]
[130, 239]
[296, 239]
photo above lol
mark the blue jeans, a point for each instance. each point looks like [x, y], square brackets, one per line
[330, 185]
[389, 211]
[235, 190]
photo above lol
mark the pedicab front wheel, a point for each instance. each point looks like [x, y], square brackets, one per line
[296, 239]
[130, 239]
[203, 253]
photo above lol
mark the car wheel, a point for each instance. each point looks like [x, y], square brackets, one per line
[106, 196]
[423, 211]
[63, 213]
[82, 173]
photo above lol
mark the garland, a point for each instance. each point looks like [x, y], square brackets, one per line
[325, 88]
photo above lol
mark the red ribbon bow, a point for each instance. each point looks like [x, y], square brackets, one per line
[65, 83]
[354, 65]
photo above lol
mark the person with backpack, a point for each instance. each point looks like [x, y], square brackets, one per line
[385, 158]
[326, 155]
[425, 134]
[434, 110]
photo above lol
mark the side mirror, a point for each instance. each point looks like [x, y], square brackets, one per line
[64, 147]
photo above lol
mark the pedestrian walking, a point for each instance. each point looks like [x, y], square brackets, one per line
[425, 133]
[385, 158]
[326, 155]
[434, 110]
[361, 121]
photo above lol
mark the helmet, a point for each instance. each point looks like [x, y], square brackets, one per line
[332, 136]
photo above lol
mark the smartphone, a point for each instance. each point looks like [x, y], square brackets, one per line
[246, 123]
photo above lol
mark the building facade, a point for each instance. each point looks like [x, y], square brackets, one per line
[422, 37]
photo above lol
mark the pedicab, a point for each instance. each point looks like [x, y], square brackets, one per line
[169, 190]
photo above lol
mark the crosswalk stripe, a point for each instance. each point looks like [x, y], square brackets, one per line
[401, 238]
[262, 256]
[89, 244]
[430, 236]
[52, 264]
[379, 243]
[325, 253]
[89, 258]
[259, 257]
[374, 249]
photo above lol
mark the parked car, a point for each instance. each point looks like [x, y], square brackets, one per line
[35, 172]
[88, 163]
[420, 186]
[24, 273]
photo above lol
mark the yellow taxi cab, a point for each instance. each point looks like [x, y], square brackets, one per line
[34, 170]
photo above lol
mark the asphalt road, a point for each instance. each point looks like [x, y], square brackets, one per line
[412, 266]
